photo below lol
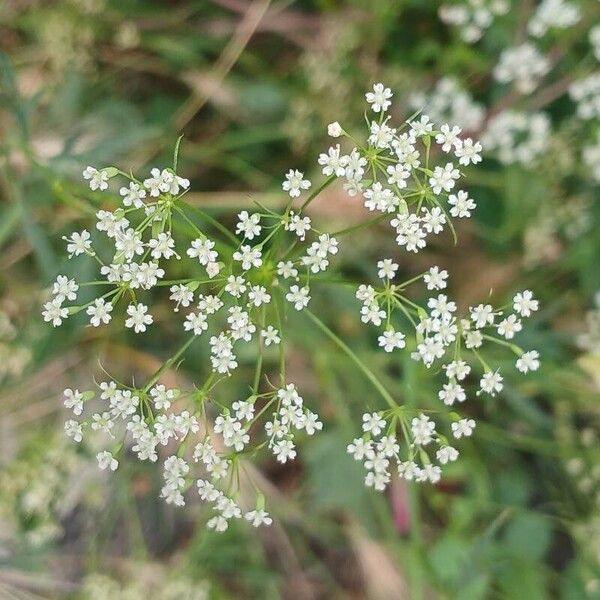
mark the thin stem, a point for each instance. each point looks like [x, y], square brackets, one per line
[367, 372]
[168, 364]
[317, 192]
[214, 222]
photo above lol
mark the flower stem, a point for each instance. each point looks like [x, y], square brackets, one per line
[367, 372]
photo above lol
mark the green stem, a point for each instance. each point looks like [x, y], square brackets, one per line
[317, 192]
[362, 225]
[214, 222]
[168, 364]
[367, 372]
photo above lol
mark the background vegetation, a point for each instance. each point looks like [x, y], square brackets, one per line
[252, 85]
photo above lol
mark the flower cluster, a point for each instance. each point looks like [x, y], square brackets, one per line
[515, 130]
[447, 102]
[438, 335]
[550, 14]
[473, 17]
[586, 94]
[517, 137]
[395, 176]
[524, 65]
[240, 288]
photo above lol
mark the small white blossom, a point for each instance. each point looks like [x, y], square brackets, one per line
[98, 179]
[138, 317]
[295, 183]
[379, 98]
[528, 361]
[373, 423]
[524, 303]
[107, 461]
[463, 428]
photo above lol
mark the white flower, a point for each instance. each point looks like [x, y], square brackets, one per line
[248, 256]
[371, 313]
[391, 339]
[360, 448]
[553, 13]
[448, 138]
[382, 135]
[398, 174]
[482, 315]
[365, 293]
[78, 243]
[258, 518]
[196, 322]
[64, 289]
[129, 243]
[138, 317]
[408, 470]
[387, 268]
[446, 454]
[468, 152]
[74, 430]
[458, 369]
[270, 335]
[295, 183]
[473, 339]
[379, 198]
[182, 295]
[258, 295]
[431, 473]
[421, 127]
[203, 251]
[509, 326]
[298, 296]
[441, 307]
[451, 393]
[102, 422]
[523, 65]
[213, 269]
[284, 450]
[423, 430]
[461, 204]
[529, 361]
[433, 220]
[379, 98]
[334, 130]
[248, 224]
[54, 312]
[333, 163]
[162, 246]
[444, 178]
[209, 304]
[463, 428]
[524, 303]
[107, 461]
[218, 523]
[286, 269]
[133, 195]
[98, 179]
[311, 423]
[299, 225]
[73, 401]
[373, 423]
[491, 382]
[99, 312]
[236, 285]
[162, 397]
[435, 279]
